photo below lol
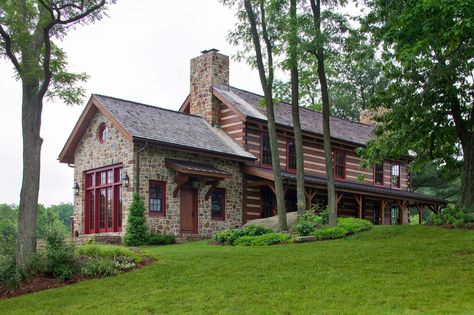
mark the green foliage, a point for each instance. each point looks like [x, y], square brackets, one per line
[48, 219]
[136, 233]
[435, 181]
[101, 267]
[345, 227]
[308, 222]
[160, 239]
[454, 215]
[414, 219]
[8, 229]
[427, 51]
[263, 240]
[106, 251]
[230, 236]
[64, 212]
[9, 277]
[59, 254]
[330, 233]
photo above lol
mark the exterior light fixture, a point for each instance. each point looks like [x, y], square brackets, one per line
[125, 180]
[76, 189]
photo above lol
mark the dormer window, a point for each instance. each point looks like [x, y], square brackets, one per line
[103, 132]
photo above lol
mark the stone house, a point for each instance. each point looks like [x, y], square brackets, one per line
[207, 166]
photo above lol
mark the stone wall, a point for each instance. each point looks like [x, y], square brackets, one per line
[207, 69]
[91, 154]
[152, 167]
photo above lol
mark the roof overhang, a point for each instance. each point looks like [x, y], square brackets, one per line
[196, 169]
[349, 187]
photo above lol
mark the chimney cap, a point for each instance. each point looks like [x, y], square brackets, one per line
[212, 50]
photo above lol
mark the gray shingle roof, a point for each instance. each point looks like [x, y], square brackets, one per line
[145, 122]
[311, 121]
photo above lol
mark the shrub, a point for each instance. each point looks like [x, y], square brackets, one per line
[451, 215]
[101, 267]
[353, 225]
[262, 240]
[137, 231]
[161, 239]
[60, 259]
[9, 277]
[308, 222]
[330, 233]
[229, 236]
[107, 251]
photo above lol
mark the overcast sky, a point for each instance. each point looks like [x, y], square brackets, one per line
[140, 53]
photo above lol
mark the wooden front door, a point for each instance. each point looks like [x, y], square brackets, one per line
[189, 211]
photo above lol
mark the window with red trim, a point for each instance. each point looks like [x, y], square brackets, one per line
[378, 174]
[157, 196]
[102, 132]
[395, 176]
[103, 200]
[218, 204]
[340, 164]
[291, 155]
[266, 150]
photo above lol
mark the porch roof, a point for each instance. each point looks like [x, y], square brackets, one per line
[196, 169]
[348, 186]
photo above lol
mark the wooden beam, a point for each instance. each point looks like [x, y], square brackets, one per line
[180, 180]
[310, 193]
[209, 192]
[419, 206]
[259, 183]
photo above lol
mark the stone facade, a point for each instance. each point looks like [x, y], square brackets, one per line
[208, 69]
[91, 154]
[152, 167]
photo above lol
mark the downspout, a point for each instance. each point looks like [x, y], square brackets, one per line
[137, 175]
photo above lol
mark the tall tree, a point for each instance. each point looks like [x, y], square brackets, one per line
[293, 51]
[318, 51]
[27, 30]
[256, 28]
[428, 53]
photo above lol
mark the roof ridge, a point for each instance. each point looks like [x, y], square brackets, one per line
[146, 105]
[301, 107]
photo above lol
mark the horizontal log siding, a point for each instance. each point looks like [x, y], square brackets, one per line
[231, 123]
[314, 161]
[252, 208]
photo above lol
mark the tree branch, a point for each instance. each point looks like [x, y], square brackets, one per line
[9, 51]
[83, 15]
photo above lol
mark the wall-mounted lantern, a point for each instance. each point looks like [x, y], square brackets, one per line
[125, 180]
[76, 189]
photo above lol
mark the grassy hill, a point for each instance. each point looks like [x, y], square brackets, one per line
[389, 270]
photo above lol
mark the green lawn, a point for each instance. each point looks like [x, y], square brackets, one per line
[388, 270]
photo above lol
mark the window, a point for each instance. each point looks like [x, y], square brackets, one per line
[103, 200]
[378, 174]
[103, 132]
[339, 164]
[157, 197]
[395, 178]
[291, 155]
[218, 204]
[266, 150]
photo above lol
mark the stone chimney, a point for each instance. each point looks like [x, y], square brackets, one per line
[207, 69]
[367, 116]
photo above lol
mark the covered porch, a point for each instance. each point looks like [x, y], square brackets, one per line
[377, 204]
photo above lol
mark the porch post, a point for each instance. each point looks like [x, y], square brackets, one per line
[420, 213]
[359, 199]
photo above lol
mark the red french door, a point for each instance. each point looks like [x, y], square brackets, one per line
[103, 200]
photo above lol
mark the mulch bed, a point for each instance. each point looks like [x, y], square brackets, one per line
[41, 283]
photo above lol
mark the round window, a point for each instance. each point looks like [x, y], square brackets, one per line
[103, 133]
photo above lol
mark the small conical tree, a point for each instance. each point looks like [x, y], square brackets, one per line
[136, 233]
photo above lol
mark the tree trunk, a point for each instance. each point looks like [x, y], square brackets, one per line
[466, 197]
[31, 122]
[293, 43]
[267, 87]
[316, 8]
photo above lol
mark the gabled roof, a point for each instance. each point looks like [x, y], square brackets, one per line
[247, 103]
[140, 122]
